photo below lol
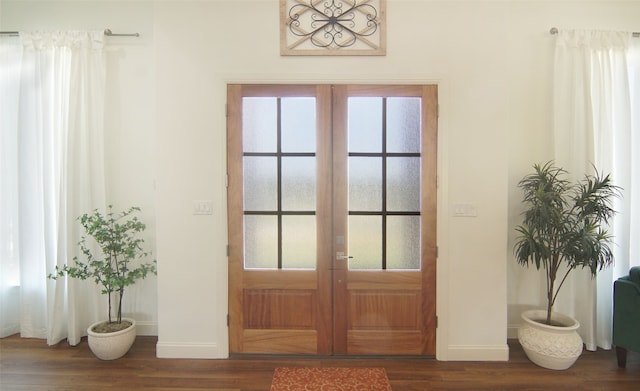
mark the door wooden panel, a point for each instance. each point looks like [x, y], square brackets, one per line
[333, 309]
[271, 309]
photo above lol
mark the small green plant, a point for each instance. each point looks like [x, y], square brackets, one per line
[111, 266]
[565, 224]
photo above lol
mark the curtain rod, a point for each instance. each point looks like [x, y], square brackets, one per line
[107, 32]
[554, 31]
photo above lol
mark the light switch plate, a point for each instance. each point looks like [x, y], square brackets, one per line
[202, 207]
[465, 210]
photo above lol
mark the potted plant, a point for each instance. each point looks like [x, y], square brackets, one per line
[564, 228]
[112, 266]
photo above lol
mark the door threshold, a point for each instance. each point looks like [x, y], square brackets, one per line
[345, 357]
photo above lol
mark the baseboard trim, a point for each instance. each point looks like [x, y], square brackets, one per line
[512, 331]
[146, 328]
[188, 350]
[478, 353]
[211, 351]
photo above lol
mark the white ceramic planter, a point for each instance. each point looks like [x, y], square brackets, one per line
[110, 346]
[552, 347]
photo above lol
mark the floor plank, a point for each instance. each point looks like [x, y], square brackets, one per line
[29, 364]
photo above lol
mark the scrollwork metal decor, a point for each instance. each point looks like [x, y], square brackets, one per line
[332, 27]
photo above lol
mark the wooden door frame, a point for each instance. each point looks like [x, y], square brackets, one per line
[428, 219]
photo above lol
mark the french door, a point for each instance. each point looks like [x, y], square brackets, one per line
[332, 219]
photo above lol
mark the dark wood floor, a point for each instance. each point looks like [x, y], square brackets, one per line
[28, 364]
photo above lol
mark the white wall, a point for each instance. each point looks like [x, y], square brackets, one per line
[491, 59]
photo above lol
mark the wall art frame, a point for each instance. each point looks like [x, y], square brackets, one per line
[333, 27]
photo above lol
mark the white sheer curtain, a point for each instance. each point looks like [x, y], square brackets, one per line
[10, 57]
[596, 96]
[54, 166]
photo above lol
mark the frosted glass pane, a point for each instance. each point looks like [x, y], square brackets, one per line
[298, 124]
[365, 124]
[298, 242]
[260, 183]
[403, 242]
[403, 184]
[260, 242]
[299, 183]
[259, 124]
[365, 242]
[403, 124]
[365, 184]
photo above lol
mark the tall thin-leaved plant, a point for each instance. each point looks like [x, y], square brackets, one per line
[565, 225]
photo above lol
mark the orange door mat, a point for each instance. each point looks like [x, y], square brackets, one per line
[330, 379]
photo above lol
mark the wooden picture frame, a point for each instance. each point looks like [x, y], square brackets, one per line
[333, 27]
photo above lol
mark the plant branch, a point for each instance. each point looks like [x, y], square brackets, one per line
[564, 278]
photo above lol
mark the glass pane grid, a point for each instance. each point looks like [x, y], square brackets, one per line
[384, 184]
[279, 187]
